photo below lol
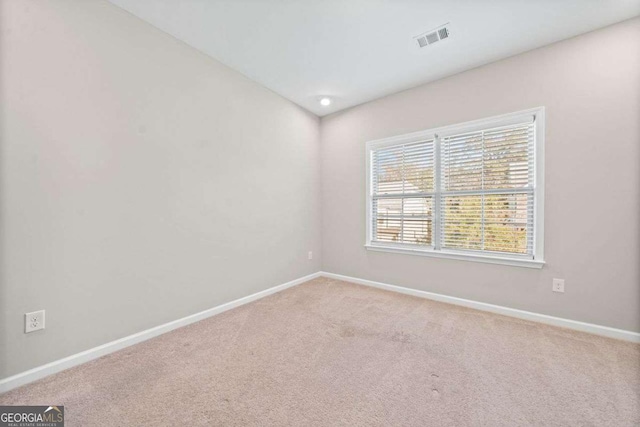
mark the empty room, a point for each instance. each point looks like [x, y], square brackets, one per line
[319, 213]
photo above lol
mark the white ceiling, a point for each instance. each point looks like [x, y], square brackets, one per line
[359, 50]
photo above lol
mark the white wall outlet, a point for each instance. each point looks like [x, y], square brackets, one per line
[33, 321]
[558, 285]
[310, 255]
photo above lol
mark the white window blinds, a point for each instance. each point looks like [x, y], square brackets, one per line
[468, 189]
[403, 190]
[487, 190]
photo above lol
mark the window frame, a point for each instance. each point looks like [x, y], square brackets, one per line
[538, 116]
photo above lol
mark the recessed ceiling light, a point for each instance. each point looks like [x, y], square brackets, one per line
[325, 101]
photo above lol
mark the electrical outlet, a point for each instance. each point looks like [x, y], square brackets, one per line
[310, 255]
[558, 285]
[33, 321]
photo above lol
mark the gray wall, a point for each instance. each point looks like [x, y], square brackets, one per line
[590, 86]
[140, 181]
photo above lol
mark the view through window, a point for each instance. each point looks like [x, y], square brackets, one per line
[459, 189]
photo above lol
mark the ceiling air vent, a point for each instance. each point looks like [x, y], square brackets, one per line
[433, 36]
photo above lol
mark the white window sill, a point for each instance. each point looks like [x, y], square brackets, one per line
[490, 259]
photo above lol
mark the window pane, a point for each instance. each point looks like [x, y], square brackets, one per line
[462, 162]
[418, 167]
[508, 223]
[403, 220]
[404, 169]
[508, 158]
[462, 226]
[492, 159]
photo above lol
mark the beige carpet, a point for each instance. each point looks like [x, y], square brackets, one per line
[332, 353]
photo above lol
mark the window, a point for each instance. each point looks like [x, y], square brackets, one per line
[469, 191]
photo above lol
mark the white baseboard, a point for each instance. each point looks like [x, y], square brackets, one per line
[34, 374]
[40, 372]
[506, 311]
